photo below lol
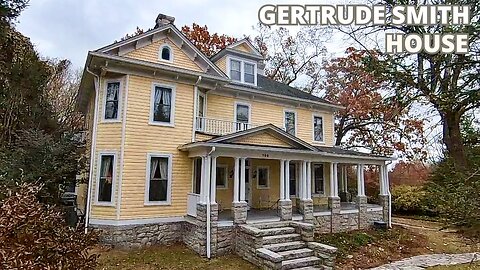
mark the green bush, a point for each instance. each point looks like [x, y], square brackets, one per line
[408, 200]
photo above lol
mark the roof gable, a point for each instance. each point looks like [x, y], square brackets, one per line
[267, 135]
[244, 45]
[125, 47]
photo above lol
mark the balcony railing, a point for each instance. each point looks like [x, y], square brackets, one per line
[220, 127]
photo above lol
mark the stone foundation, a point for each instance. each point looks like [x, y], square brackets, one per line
[362, 212]
[323, 224]
[305, 207]
[239, 210]
[385, 203]
[285, 207]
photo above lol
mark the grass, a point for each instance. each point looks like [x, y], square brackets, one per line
[467, 266]
[163, 257]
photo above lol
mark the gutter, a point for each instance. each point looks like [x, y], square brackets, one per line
[209, 184]
[92, 148]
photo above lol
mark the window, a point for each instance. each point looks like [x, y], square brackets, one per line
[318, 180]
[242, 71]
[163, 98]
[197, 175]
[290, 122]
[111, 100]
[318, 128]
[166, 53]
[106, 177]
[292, 179]
[222, 181]
[235, 70]
[249, 73]
[242, 116]
[201, 112]
[263, 177]
[158, 178]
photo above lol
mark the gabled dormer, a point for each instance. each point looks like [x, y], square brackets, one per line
[241, 62]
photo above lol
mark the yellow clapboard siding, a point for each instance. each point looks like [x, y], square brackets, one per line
[262, 139]
[203, 137]
[222, 64]
[143, 138]
[222, 107]
[151, 53]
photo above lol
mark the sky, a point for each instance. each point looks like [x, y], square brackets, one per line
[71, 28]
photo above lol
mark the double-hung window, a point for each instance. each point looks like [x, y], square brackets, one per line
[319, 181]
[222, 180]
[158, 178]
[290, 122]
[242, 71]
[242, 116]
[106, 178]
[318, 129]
[162, 105]
[112, 97]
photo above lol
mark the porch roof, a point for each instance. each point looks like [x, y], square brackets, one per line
[298, 146]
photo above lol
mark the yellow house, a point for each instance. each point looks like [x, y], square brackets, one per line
[188, 148]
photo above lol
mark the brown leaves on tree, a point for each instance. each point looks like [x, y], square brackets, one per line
[206, 42]
[35, 236]
[373, 118]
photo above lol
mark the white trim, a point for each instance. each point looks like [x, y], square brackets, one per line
[268, 177]
[349, 211]
[249, 111]
[242, 61]
[165, 45]
[169, 179]
[172, 105]
[296, 120]
[122, 148]
[120, 101]
[114, 176]
[313, 128]
[111, 222]
[225, 168]
[333, 129]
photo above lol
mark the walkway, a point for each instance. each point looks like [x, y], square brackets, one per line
[423, 261]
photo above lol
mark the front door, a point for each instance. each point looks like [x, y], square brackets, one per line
[293, 179]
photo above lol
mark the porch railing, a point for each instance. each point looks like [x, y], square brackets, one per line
[192, 201]
[220, 127]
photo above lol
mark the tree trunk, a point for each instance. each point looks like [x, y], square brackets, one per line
[452, 137]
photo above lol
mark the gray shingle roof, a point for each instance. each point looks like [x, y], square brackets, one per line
[340, 151]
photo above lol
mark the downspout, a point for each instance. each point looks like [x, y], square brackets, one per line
[209, 231]
[92, 148]
[389, 195]
[122, 146]
[195, 101]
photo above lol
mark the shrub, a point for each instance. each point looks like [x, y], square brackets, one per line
[35, 236]
[408, 199]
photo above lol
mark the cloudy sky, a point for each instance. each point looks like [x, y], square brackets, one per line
[70, 28]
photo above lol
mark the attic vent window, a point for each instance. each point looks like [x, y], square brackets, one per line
[166, 53]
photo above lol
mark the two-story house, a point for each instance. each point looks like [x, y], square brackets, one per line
[188, 148]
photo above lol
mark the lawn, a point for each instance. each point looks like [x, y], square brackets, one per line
[167, 257]
[458, 267]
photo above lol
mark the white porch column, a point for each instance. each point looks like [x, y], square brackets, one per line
[282, 179]
[303, 195]
[360, 180]
[213, 184]
[309, 180]
[236, 182]
[242, 179]
[383, 189]
[206, 184]
[287, 179]
[333, 180]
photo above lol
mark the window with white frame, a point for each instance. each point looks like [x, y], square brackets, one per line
[162, 104]
[263, 177]
[242, 116]
[318, 128]
[222, 180]
[197, 175]
[112, 97]
[158, 178]
[106, 178]
[166, 53]
[318, 179]
[290, 122]
[242, 71]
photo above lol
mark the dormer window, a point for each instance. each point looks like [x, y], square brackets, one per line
[242, 71]
[166, 53]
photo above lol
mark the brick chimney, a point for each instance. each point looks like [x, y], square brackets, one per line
[163, 19]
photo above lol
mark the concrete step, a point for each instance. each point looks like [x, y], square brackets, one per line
[296, 253]
[301, 262]
[285, 246]
[307, 268]
[281, 238]
[269, 225]
[277, 231]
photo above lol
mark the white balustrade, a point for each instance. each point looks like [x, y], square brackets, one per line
[220, 127]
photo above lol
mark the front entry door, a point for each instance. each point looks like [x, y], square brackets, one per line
[293, 179]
